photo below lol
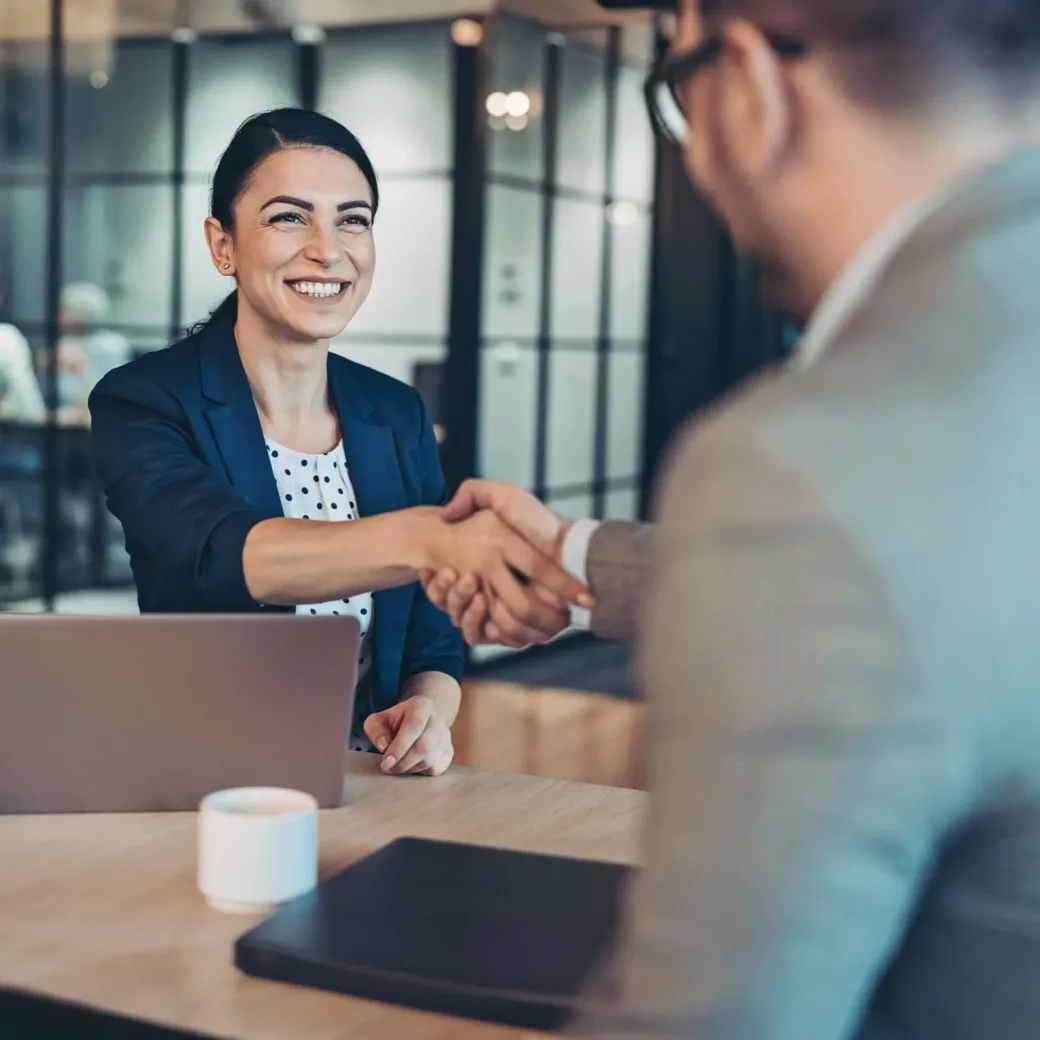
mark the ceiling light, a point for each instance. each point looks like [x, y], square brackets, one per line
[516, 122]
[497, 123]
[622, 214]
[467, 33]
[308, 35]
[184, 35]
[518, 104]
[99, 79]
[497, 105]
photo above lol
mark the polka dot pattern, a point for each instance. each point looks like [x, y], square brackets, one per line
[307, 486]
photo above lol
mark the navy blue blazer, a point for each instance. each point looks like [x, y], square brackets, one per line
[181, 455]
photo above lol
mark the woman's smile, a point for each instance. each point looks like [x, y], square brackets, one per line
[319, 290]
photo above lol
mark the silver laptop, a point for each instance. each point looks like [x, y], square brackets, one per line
[151, 713]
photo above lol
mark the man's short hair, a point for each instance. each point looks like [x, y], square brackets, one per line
[901, 53]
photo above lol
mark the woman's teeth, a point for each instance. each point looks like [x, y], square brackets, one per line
[319, 289]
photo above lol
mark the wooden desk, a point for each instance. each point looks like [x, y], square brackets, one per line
[104, 911]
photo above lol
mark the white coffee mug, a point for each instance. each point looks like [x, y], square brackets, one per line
[258, 848]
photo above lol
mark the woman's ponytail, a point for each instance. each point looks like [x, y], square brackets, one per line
[225, 313]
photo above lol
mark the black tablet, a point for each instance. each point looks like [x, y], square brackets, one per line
[505, 937]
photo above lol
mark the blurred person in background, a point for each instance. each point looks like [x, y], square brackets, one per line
[839, 610]
[21, 403]
[87, 350]
[226, 455]
[21, 400]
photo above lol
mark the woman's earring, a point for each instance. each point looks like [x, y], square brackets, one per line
[227, 266]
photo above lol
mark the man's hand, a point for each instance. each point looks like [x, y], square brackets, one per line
[531, 519]
[525, 592]
[412, 737]
[463, 597]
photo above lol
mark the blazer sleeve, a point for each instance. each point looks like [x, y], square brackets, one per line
[432, 644]
[168, 499]
[617, 564]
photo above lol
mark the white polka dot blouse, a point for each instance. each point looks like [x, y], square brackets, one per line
[318, 487]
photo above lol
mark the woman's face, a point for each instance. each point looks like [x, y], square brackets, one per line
[302, 247]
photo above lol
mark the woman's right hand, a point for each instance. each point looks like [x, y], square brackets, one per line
[522, 592]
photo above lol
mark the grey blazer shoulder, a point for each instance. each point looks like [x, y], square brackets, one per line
[618, 562]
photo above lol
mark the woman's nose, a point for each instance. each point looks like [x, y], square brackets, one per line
[323, 245]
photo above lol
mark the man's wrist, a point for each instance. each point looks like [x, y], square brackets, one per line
[574, 548]
[574, 555]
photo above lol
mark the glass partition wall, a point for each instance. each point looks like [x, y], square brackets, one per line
[102, 252]
[570, 187]
[567, 267]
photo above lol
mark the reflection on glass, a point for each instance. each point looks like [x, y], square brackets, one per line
[630, 279]
[202, 285]
[228, 81]
[635, 155]
[622, 505]
[124, 124]
[572, 507]
[24, 242]
[398, 360]
[582, 142]
[392, 86]
[512, 303]
[518, 68]
[576, 269]
[625, 397]
[508, 412]
[413, 243]
[121, 239]
[572, 417]
[23, 142]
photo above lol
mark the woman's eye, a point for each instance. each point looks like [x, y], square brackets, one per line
[287, 218]
[356, 221]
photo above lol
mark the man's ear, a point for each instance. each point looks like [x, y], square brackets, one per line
[221, 246]
[757, 81]
[689, 24]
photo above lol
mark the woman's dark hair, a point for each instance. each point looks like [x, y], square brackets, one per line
[260, 137]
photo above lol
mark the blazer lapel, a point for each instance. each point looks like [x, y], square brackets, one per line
[375, 472]
[234, 422]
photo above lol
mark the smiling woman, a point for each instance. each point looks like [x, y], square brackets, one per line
[226, 456]
[293, 203]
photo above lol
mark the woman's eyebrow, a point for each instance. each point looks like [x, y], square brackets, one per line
[291, 200]
[288, 200]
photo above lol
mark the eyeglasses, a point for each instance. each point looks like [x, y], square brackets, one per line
[666, 84]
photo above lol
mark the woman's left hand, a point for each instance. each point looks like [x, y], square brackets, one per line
[413, 738]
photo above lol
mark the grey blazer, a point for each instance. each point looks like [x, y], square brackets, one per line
[618, 562]
[841, 653]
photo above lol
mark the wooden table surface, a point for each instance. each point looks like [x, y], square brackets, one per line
[104, 910]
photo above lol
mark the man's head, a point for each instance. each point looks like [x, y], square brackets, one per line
[815, 120]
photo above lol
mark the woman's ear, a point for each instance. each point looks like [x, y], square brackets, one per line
[221, 247]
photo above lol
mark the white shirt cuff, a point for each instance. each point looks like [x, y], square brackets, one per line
[574, 557]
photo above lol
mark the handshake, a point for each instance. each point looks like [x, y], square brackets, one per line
[493, 564]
